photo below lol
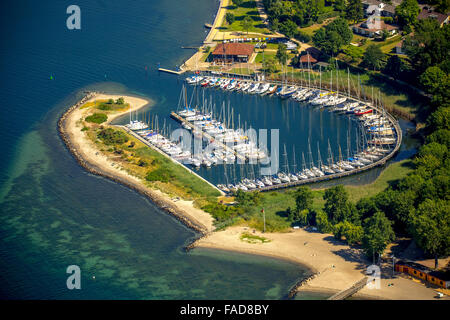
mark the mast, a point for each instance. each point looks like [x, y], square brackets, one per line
[319, 157]
[330, 154]
[286, 165]
[311, 162]
[303, 161]
[294, 166]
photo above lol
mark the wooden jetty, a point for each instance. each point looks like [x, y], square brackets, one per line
[170, 71]
[341, 295]
[208, 136]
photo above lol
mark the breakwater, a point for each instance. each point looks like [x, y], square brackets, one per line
[163, 204]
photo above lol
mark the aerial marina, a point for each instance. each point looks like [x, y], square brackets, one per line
[378, 135]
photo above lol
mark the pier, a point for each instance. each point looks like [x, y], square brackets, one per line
[170, 71]
[223, 145]
[134, 134]
[393, 147]
[341, 295]
[377, 163]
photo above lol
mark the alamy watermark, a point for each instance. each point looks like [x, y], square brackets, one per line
[73, 22]
[74, 280]
[374, 279]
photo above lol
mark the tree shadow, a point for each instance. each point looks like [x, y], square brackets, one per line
[248, 4]
[230, 7]
[254, 14]
[354, 255]
[282, 213]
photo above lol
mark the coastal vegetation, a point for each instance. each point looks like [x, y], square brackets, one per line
[97, 118]
[251, 238]
[153, 168]
[411, 199]
[108, 105]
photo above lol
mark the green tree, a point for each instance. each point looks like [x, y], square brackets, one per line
[394, 66]
[332, 37]
[378, 234]
[353, 234]
[288, 28]
[354, 11]
[436, 82]
[339, 6]
[430, 226]
[281, 54]
[120, 101]
[407, 12]
[337, 206]
[373, 57]
[303, 198]
[238, 3]
[270, 65]
[440, 119]
[322, 222]
[429, 46]
[229, 17]
[246, 23]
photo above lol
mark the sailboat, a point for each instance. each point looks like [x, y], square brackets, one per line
[281, 175]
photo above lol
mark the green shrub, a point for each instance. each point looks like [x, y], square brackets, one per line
[303, 37]
[159, 174]
[97, 118]
[221, 212]
[110, 136]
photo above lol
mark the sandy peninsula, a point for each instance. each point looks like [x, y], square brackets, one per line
[334, 265]
[86, 149]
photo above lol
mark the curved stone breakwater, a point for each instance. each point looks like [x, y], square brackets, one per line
[294, 290]
[169, 208]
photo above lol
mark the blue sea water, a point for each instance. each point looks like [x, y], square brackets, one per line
[53, 214]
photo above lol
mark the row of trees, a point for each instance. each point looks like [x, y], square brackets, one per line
[344, 219]
[419, 204]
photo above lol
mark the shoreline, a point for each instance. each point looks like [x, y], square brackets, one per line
[66, 125]
[334, 266]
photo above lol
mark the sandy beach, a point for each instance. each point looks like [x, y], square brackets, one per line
[335, 266]
[88, 151]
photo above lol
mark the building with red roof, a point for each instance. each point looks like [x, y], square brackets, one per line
[233, 52]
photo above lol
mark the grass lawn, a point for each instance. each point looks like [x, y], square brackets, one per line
[313, 28]
[276, 203]
[248, 8]
[139, 159]
[267, 55]
[391, 174]
[393, 95]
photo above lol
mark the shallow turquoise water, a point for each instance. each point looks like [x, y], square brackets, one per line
[54, 214]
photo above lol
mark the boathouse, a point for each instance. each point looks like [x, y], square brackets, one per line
[232, 52]
[440, 279]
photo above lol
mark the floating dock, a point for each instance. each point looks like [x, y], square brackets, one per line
[208, 136]
[392, 121]
[134, 134]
